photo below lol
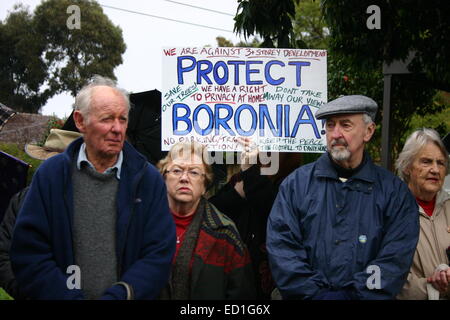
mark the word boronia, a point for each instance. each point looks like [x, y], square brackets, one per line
[260, 119]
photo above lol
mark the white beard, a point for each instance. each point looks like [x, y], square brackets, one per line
[339, 155]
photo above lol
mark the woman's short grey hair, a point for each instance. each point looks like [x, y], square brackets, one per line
[413, 145]
[83, 98]
[186, 149]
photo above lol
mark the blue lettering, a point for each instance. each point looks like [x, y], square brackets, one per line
[217, 78]
[249, 71]
[237, 122]
[185, 118]
[219, 118]
[205, 67]
[298, 70]
[310, 120]
[197, 128]
[203, 73]
[236, 64]
[181, 69]
[286, 119]
[269, 78]
[223, 121]
[264, 114]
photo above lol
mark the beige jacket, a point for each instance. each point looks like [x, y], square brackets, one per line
[434, 239]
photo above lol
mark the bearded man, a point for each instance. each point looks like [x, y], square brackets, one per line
[341, 227]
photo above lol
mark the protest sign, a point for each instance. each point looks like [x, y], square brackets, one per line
[214, 95]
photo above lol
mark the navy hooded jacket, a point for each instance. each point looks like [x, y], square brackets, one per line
[357, 236]
[42, 246]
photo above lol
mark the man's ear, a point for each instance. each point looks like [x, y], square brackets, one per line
[370, 130]
[80, 121]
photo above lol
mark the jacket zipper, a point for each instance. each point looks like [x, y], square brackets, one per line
[70, 211]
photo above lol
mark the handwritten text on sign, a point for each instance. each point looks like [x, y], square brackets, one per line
[214, 95]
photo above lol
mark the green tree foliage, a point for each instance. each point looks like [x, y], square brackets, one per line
[22, 70]
[407, 26]
[309, 28]
[356, 53]
[41, 56]
[272, 20]
[440, 121]
[282, 23]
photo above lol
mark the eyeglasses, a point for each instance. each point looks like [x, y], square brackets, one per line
[192, 174]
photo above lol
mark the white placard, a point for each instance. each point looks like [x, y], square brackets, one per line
[214, 95]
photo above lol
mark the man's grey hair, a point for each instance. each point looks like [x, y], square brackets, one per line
[367, 119]
[83, 98]
[413, 145]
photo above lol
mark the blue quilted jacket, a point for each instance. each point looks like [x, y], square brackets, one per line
[42, 247]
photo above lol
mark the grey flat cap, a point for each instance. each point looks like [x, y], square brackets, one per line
[348, 104]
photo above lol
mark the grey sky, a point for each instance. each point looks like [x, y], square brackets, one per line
[145, 36]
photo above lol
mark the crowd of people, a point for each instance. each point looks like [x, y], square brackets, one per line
[100, 222]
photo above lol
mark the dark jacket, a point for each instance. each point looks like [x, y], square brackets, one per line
[7, 280]
[221, 267]
[250, 216]
[42, 247]
[323, 234]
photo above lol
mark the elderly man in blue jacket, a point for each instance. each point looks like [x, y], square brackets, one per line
[95, 223]
[341, 227]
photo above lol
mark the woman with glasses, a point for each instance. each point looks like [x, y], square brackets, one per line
[211, 261]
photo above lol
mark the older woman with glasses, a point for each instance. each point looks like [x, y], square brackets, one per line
[211, 260]
[423, 165]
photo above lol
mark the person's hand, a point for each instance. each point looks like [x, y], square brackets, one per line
[249, 155]
[239, 187]
[440, 280]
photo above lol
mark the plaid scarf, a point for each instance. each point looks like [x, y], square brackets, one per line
[181, 276]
